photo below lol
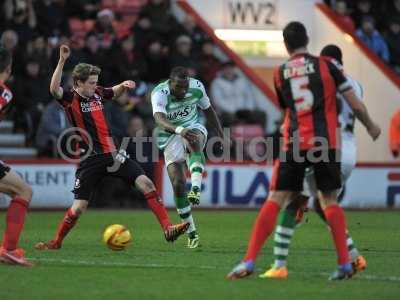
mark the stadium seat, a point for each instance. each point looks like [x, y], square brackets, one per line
[245, 133]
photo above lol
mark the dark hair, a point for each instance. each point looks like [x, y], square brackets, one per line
[368, 19]
[180, 73]
[82, 72]
[5, 59]
[228, 63]
[295, 36]
[332, 51]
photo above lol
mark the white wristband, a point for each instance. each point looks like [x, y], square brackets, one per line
[179, 129]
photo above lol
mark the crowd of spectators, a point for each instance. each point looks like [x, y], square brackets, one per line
[376, 23]
[141, 45]
[132, 39]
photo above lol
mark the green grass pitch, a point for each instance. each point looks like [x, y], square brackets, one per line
[153, 269]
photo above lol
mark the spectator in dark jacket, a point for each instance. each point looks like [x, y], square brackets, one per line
[190, 28]
[162, 22]
[182, 55]
[143, 32]
[52, 124]
[393, 41]
[84, 9]
[127, 62]
[117, 117]
[31, 95]
[21, 18]
[139, 147]
[38, 49]
[94, 55]
[157, 63]
[104, 30]
[208, 63]
[363, 8]
[9, 40]
[52, 18]
[373, 39]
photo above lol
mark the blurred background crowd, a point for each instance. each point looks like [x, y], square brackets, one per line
[376, 23]
[139, 40]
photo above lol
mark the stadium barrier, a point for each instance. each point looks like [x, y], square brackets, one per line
[246, 185]
[51, 181]
[225, 185]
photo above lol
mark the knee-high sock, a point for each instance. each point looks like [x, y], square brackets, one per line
[65, 226]
[15, 221]
[156, 205]
[351, 247]
[185, 212]
[337, 222]
[196, 168]
[283, 235]
[263, 227]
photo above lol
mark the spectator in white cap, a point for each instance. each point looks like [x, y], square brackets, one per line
[104, 30]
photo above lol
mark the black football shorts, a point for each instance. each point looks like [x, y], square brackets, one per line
[94, 168]
[288, 174]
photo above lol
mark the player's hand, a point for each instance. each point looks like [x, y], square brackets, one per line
[65, 52]
[190, 135]
[374, 131]
[129, 84]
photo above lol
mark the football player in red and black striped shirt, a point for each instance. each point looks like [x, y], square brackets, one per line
[83, 105]
[11, 183]
[306, 86]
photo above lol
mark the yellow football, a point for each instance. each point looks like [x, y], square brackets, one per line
[117, 237]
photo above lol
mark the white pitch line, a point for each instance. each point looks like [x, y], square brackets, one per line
[120, 264]
[203, 267]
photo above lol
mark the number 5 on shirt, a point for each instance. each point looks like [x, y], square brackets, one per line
[303, 97]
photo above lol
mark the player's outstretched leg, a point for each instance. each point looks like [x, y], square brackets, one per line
[171, 232]
[337, 222]
[196, 168]
[176, 173]
[196, 162]
[287, 221]
[359, 263]
[21, 194]
[67, 223]
[263, 227]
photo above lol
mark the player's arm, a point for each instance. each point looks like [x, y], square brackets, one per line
[123, 87]
[359, 109]
[212, 117]
[162, 121]
[361, 113]
[159, 104]
[55, 83]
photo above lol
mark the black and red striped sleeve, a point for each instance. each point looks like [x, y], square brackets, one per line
[105, 93]
[5, 97]
[278, 87]
[66, 98]
[341, 82]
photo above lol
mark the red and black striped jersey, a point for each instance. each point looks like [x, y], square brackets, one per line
[89, 116]
[306, 87]
[5, 99]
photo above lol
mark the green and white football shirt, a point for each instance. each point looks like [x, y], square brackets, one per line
[180, 112]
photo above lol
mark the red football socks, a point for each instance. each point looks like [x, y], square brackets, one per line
[337, 222]
[263, 227]
[15, 221]
[156, 205]
[65, 225]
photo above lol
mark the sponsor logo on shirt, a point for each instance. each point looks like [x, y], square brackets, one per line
[91, 106]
